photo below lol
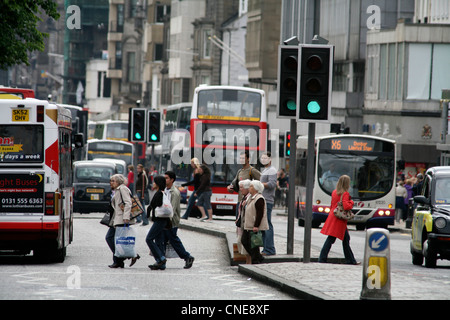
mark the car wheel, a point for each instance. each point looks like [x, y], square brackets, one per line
[430, 255]
[417, 259]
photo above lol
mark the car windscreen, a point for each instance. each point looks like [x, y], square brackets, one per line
[442, 193]
[93, 174]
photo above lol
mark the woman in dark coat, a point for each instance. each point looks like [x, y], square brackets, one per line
[159, 224]
[335, 227]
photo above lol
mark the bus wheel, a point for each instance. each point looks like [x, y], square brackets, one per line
[60, 255]
[50, 255]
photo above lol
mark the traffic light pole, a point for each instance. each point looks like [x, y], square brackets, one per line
[309, 193]
[291, 190]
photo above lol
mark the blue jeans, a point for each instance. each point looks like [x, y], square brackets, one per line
[348, 254]
[155, 238]
[191, 203]
[175, 241]
[144, 202]
[112, 244]
[269, 246]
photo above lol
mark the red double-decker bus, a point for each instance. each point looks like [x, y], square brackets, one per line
[226, 121]
[15, 93]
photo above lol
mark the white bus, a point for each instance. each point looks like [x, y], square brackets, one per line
[36, 191]
[370, 163]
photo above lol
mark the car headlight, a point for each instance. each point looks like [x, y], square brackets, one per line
[440, 223]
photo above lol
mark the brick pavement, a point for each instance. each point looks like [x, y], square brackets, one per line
[323, 281]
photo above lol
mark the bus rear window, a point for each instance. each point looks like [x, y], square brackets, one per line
[21, 144]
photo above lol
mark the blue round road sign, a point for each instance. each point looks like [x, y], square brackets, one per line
[378, 241]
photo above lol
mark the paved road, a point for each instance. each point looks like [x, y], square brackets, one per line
[84, 275]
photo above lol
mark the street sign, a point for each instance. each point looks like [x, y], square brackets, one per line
[378, 241]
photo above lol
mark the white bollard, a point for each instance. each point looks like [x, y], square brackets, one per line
[376, 280]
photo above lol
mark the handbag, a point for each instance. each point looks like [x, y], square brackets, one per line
[256, 239]
[136, 207]
[165, 210]
[342, 214]
[124, 241]
[106, 220]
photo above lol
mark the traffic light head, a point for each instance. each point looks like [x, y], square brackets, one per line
[287, 81]
[154, 127]
[138, 127]
[316, 65]
[287, 144]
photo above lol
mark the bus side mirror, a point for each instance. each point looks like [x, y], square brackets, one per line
[78, 140]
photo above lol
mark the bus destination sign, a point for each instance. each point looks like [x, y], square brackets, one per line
[352, 145]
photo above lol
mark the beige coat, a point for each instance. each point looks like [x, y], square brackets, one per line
[250, 214]
[122, 195]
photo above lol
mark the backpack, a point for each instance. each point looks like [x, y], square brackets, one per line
[165, 210]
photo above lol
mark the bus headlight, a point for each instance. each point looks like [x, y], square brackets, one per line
[380, 212]
[327, 210]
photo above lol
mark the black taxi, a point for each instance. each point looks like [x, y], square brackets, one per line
[430, 234]
[92, 191]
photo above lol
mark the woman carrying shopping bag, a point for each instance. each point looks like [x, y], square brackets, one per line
[155, 236]
[121, 205]
[335, 227]
[254, 220]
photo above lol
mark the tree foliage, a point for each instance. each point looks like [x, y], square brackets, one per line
[18, 29]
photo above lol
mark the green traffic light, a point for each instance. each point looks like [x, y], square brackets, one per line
[138, 136]
[291, 105]
[154, 137]
[313, 107]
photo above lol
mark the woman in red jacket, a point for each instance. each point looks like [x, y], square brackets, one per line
[335, 227]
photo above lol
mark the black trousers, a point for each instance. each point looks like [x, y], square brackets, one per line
[255, 254]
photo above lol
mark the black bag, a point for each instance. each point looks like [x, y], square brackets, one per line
[106, 220]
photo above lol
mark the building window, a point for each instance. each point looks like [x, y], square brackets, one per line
[161, 11]
[158, 55]
[419, 67]
[340, 76]
[176, 92]
[120, 18]
[131, 63]
[383, 71]
[103, 85]
[400, 59]
[206, 52]
[118, 62]
[133, 8]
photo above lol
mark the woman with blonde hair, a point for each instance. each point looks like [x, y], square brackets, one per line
[195, 164]
[335, 227]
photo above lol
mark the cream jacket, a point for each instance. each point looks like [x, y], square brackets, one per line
[122, 195]
[250, 213]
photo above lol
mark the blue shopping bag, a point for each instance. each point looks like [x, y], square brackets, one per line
[125, 239]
